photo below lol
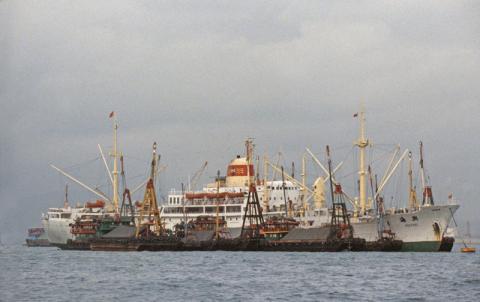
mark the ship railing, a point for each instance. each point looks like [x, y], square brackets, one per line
[212, 202]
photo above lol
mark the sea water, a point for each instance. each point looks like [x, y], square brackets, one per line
[50, 274]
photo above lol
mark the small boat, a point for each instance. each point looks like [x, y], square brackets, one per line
[468, 249]
[37, 237]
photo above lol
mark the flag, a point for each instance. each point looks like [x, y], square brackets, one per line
[355, 115]
[111, 114]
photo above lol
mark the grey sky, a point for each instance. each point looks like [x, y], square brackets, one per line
[200, 76]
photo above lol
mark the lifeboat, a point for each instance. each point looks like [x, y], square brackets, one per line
[195, 195]
[96, 204]
[235, 195]
[468, 249]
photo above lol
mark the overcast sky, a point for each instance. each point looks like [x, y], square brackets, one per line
[199, 77]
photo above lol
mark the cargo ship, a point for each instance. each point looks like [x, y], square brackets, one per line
[61, 223]
[422, 226]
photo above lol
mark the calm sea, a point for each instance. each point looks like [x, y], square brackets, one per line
[49, 274]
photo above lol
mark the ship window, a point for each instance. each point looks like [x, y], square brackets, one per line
[194, 210]
[65, 215]
[236, 209]
[274, 198]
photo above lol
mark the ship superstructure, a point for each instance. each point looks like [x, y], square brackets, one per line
[228, 195]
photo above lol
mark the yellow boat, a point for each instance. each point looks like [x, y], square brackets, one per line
[467, 249]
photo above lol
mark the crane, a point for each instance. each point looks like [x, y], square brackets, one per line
[196, 176]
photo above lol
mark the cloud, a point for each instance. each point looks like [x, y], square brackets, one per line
[200, 77]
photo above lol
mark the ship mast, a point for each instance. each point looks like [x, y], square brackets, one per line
[265, 186]
[65, 203]
[217, 211]
[427, 189]
[149, 213]
[304, 182]
[412, 197]
[362, 144]
[422, 172]
[249, 156]
[115, 162]
[287, 210]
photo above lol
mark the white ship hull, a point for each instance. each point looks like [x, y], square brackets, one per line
[58, 230]
[420, 230]
[57, 222]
